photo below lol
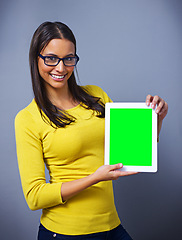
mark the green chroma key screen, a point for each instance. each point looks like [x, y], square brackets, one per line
[131, 136]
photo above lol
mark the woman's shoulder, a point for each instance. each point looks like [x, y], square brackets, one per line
[29, 113]
[97, 91]
[93, 89]
[30, 120]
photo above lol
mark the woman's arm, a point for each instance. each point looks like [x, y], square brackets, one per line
[104, 173]
[161, 108]
[37, 192]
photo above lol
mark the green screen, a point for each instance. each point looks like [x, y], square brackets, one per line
[131, 136]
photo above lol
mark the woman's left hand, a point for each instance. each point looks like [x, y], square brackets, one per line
[161, 108]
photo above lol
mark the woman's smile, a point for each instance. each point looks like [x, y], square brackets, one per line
[58, 77]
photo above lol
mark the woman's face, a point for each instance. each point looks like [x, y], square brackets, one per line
[56, 77]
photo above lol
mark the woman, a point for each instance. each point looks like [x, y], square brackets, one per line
[63, 127]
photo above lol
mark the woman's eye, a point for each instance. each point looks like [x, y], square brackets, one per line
[69, 59]
[51, 58]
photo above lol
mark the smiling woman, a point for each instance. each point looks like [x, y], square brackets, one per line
[46, 40]
[63, 128]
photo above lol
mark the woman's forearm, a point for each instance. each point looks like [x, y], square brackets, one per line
[72, 188]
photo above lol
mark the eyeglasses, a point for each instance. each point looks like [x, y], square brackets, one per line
[54, 61]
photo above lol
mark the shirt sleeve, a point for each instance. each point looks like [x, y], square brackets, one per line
[37, 192]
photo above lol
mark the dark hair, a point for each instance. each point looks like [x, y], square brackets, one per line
[56, 117]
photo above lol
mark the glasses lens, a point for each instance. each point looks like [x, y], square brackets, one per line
[70, 61]
[52, 61]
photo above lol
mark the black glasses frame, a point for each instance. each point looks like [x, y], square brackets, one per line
[60, 59]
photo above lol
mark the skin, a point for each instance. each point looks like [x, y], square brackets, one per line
[57, 89]
[161, 108]
[59, 94]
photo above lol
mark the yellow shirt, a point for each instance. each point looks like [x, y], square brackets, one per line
[69, 153]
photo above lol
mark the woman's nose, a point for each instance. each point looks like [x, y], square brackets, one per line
[60, 67]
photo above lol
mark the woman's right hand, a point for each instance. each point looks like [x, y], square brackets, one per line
[110, 172]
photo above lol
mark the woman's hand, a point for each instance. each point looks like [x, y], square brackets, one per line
[161, 108]
[104, 173]
[110, 172]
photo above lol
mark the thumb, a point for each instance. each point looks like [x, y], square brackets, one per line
[116, 166]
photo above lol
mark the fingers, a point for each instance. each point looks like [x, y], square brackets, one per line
[115, 173]
[149, 99]
[153, 100]
[128, 173]
[116, 166]
[158, 103]
[160, 106]
[164, 109]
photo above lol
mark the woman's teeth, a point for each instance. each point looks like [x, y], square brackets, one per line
[58, 77]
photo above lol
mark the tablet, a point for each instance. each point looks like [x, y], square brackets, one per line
[131, 136]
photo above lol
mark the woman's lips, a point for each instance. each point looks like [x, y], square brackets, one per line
[58, 77]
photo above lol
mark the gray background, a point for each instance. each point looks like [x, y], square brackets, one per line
[129, 48]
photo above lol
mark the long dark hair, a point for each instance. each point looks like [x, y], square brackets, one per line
[56, 117]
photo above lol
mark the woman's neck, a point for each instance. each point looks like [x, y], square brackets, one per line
[62, 98]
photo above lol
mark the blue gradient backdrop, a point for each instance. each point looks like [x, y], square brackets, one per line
[129, 48]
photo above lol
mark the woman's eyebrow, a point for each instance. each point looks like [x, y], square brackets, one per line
[50, 54]
[53, 54]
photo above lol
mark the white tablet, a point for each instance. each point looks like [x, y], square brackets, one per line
[131, 136]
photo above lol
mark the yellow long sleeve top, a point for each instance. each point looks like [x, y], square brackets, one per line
[69, 153]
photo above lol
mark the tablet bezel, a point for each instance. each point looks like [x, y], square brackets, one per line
[131, 105]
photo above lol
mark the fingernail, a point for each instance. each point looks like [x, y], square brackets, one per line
[120, 165]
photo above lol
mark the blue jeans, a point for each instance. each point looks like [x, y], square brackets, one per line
[118, 233]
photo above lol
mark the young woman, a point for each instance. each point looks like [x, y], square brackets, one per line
[63, 127]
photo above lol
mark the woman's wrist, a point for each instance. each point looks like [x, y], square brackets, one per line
[93, 178]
